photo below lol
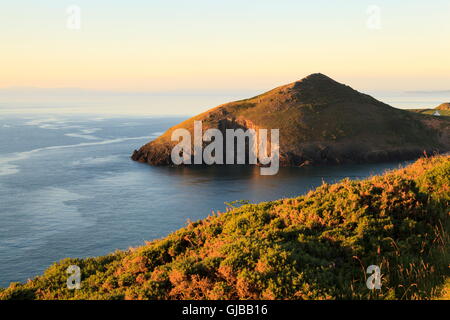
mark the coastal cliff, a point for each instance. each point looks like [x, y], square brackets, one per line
[321, 121]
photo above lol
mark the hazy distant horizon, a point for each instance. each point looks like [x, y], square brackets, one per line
[184, 57]
[177, 103]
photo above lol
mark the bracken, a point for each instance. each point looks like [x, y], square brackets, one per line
[315, 246]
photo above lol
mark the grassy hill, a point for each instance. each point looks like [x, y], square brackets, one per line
[315, 246]
[443, 109]
[443, 113]
[321, 121]
[444, 106]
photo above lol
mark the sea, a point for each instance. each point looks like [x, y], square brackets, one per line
[68, 187]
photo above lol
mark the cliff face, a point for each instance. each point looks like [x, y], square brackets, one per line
[321, 121]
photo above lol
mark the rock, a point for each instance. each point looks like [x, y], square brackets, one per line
[321, 121]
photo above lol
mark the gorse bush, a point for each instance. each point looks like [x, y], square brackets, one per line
[317, 246]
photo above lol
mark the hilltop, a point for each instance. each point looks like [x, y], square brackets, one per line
[315, 246]
[444, 106]
[443, 109]
[321, 121]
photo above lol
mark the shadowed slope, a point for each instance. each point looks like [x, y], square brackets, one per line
[320, 121]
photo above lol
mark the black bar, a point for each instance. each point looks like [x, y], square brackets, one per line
[264, 310]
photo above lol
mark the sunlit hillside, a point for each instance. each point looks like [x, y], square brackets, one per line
[316, 246]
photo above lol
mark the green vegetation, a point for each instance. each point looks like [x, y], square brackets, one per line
[443, 109]
[315, 246]
[443, 113]
[445, 291]
[444, 106]
[321, 121]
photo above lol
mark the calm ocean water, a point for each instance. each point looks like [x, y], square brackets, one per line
[69, 189]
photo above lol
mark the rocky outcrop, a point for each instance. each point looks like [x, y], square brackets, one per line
[321, 121]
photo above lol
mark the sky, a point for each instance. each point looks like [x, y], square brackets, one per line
[224, 46]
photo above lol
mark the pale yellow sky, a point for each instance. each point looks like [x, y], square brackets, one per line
[228, 46]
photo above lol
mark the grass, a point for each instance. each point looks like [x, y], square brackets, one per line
[315, 246]
[444, 293]
[320, 121]
[443, 113]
